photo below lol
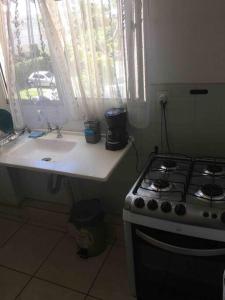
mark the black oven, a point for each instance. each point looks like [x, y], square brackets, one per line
[170, 266]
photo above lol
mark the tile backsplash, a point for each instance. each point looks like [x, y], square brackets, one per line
[196, 123]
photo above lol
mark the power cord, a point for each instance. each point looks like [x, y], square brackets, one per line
[164, 120]
[166, 129]
[161, 138]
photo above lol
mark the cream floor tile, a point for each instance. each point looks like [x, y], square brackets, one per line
[47, 219]
[11, 283]
[112, 282]
[28, 248]
[42, 290]
[119, 234]
[7, 228]
[65, 267]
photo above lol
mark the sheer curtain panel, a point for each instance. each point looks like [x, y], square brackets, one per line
[135, 27]
[90, 34]
[8, 64]
[72, 59]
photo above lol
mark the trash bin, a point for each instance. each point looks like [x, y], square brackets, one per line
[87, 216]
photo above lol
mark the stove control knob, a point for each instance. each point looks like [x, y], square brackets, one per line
[166, 207]
[180, 209]
[139, 202]
[152, 205]
[205, 214]
[222, 217]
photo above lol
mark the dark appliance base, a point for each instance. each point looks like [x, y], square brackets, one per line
[162, 275]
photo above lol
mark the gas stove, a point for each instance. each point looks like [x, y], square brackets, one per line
[174, 225]
[181, 189]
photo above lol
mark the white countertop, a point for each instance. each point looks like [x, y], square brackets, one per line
[84, 160]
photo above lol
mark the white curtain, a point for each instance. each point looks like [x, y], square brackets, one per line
[135, 22]
[90, 35]
[94, 50]
[58, 58]
[9, 64]
[40, 75]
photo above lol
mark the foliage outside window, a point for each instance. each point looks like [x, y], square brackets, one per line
[98, 45]
[30, 51]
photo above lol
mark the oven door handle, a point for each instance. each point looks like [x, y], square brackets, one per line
[179, 250]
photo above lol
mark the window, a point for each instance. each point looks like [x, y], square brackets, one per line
[94, 46]
[33, 66]
[86, 54]
[37, 76]
[96, 31]
[49, 75]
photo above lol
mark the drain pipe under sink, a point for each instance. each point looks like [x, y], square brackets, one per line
[54, 183]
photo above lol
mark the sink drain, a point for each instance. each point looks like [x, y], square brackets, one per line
[46, 159]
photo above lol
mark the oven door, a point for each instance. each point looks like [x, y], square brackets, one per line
[173, 266]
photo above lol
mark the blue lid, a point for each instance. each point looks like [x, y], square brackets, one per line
[89, 132]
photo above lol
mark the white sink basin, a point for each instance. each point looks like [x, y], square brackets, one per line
[43, 149]
[70, 155]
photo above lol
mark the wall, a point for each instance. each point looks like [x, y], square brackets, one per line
[196, 124]
[187, 41]
[186, 51]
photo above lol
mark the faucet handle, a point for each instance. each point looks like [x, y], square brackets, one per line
[58, 129]
[49, 126]
[27, 129]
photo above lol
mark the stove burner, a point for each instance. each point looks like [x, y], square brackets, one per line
[169, 165]
[213, 170]
[211, 192]
[161, 185]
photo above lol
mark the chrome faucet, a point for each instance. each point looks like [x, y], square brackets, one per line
[49, 127]
[58, 130]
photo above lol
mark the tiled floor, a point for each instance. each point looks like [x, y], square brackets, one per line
[37, 263]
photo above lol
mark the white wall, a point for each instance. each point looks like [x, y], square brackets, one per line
[187, 41]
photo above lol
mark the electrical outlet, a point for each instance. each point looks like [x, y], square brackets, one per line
[163, 96]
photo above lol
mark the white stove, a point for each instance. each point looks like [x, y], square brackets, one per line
[174, 221]
[180, 189]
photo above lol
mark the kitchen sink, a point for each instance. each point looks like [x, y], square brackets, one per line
[43, 149]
